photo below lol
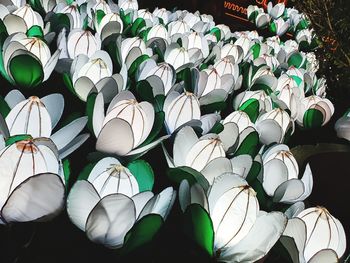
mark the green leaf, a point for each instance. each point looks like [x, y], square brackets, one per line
[216, 32]
[68, 83]
[21, 137]
[66, 170]
[199, 227]
[4, 107]
[26, 71]
[90, 104]
[143, 173]
[138, 24]
[142, 233]
[217, 128]
[99, 15]
[187, 173]
[35, 31]
[256, 50]
[249, 145]
[84, 174]
[186, 76]
[159, 103]
[264, 201]
[251, 107]
[295, 60]
[313, 118]
[135, 65]
[273, 28]
[145, 90]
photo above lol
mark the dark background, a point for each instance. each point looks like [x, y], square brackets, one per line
[60, 241]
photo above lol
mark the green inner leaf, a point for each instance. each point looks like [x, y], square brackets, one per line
[35, 31]
[90, 103]
[143, 173]
[84, 174]
[66, 170]
[4, 107]
[26, 71]
[313, 118]
[251, 107]
[142, 233]
[249, 145]
[199, 227]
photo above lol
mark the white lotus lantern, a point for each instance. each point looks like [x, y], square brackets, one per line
[241, 232]
[240, 118]
[275, 11]
[129, 46]
[163, 14]
[274, 125]
[280, 176]
[231, 50]
[112, 191]
[37, 117]
[158, 31]
[196, 40]
[177, 56]
[279, 26]
[198, 153]
[73, 11]
[133, 120]
[82, 42]
[180, 109]
[212, 87]
[314, 112]
[265, 102]
[128, 5]
[94, 74]
[32, 183]
[317, 236]
[149, 70]
[30, 17]
[27, 61]
[109, 20]
[178, 27]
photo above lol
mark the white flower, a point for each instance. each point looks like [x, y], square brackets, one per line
[180, 109]
[176, 56]
[163, 14]
[38, 117]
[133, 120]
[129, 46]
[82, 42]
[94, 74]
[110, 19]
[279, 26]
[275, 11]
[242, 233]
[273, 126]
[128, 5]
[265, 102]
[73, 11]
[317, 236]
[158, 31]
[314, 112]
[280, 176]
[108, 203]
[32, 183]
[149, 70]
[178, 27]
[37, 56]
[30, 17]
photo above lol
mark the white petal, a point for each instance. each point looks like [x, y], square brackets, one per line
[184, 140]
[13, 98]
[40, 196]
[54, 104]
[110, 220]
[261, 238]
[80, 202]
[215, 168]
[66, 134]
